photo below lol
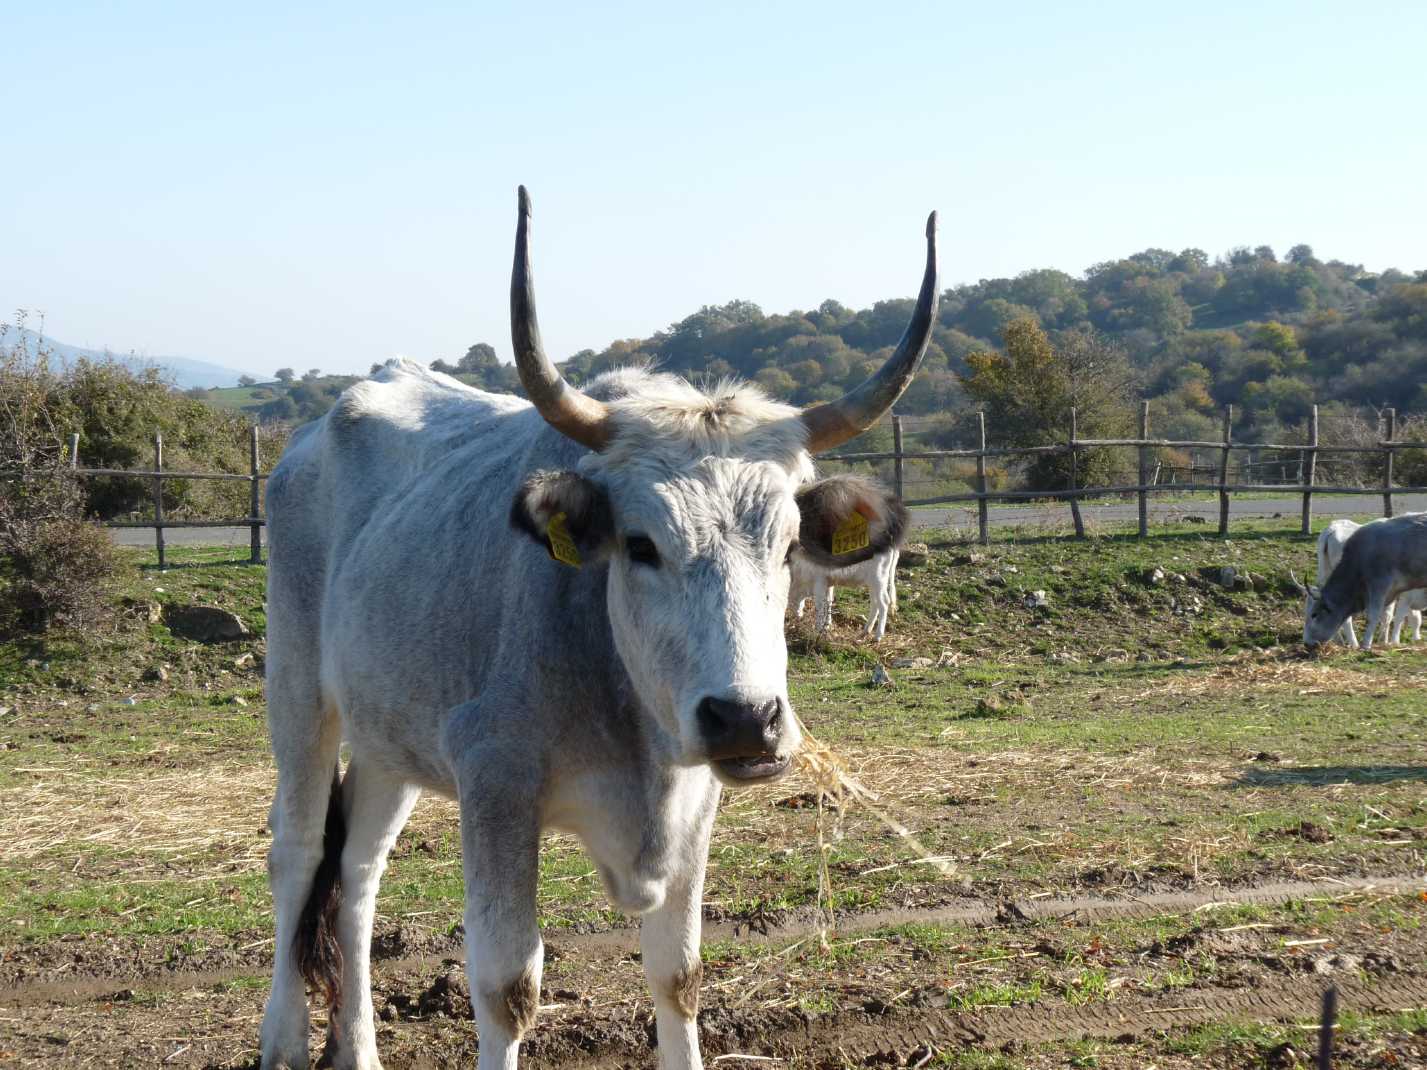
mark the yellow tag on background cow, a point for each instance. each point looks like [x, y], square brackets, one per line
[851, 535]
[562, 544]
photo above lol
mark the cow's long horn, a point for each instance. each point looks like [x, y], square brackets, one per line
[566, 409]
[1297, 584]
[834, 422]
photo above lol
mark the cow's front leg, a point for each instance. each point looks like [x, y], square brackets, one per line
[1376, 605]
[669, 944]
[500, 847]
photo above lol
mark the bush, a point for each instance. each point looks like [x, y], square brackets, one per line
[53, 572]
[117, 410]
[54, 565]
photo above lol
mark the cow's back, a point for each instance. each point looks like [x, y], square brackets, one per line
[391, 549]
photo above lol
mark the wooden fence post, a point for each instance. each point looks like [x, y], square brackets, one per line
[255, 545]
[1310, 471]
[983, 521]
[1224, 472]
[897, 449]
[1074, 478]
[1391, 419]
[1144, 495]
[74, 452]
[159, 497]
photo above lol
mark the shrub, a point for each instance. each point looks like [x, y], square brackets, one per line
[54, 565]
[117, 410]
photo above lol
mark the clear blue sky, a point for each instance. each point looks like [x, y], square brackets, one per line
[331, 184]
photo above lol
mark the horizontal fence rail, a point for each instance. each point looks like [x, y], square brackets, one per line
[1305, 487]
[254, 521]
[1147, 470]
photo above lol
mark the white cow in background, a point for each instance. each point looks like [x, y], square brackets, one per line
[878, 574]
[1410, 606]
[1330, 551]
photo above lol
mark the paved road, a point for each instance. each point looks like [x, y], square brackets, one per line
[1056, 515]
[1122, 512]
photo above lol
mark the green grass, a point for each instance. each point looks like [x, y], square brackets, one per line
[1001, 994]
[1035, 772]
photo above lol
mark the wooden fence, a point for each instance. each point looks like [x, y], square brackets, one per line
[1308, 452]
[1387, 446]
[158, 474]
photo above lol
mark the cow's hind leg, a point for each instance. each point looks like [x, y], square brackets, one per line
[1400, 613]
[376, 807]
[1389, 611]
[1347, 634]
[305, 741]
[822, 603]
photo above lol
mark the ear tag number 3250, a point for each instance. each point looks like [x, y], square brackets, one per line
[851, 535]
[562, 544]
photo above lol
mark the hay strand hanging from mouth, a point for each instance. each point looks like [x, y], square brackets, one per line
[831, 780]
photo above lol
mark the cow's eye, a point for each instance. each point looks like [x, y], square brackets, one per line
[642, 550]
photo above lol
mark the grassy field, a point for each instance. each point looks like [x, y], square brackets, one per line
[1149, 797]
[244, 398]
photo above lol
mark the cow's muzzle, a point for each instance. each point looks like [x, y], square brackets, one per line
[742, 738]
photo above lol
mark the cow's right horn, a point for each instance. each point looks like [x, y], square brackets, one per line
[1297, 584]
[834, 422]
[566, 409]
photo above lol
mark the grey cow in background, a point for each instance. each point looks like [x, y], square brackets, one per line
[1381, 561]
[564, 613]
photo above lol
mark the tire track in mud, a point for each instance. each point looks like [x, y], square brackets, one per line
[858, 1037]
[799, 924]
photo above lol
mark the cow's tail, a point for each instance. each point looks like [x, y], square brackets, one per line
[319, 952]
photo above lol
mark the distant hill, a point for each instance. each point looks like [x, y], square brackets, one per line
[185, 371]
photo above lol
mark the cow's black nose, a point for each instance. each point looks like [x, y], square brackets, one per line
[740, 729]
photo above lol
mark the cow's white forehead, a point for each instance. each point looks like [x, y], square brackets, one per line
[666, 422]
[719, 503]
[700, 465]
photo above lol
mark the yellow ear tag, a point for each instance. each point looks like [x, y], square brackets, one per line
[562, 544]
[851, 535]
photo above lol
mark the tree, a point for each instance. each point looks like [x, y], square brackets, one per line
[478, 358]
[247, 380]
[285, 375]
[439, 365]
[1029, 389]
[378, 366]
[311, 374]
[776, 382]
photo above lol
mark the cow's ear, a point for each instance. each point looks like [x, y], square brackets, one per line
[566, 514]
[847, 519]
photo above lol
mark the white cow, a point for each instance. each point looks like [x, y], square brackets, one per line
[814, 582]
[1330, 551]
[564, 613]
[1410, 607]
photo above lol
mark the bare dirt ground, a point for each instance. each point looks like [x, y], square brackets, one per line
[189, 1017]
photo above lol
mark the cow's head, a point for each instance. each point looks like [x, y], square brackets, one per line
[1323, 613]
[696, 500]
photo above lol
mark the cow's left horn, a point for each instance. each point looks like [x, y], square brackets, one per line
[834, 422]
[566, 409]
